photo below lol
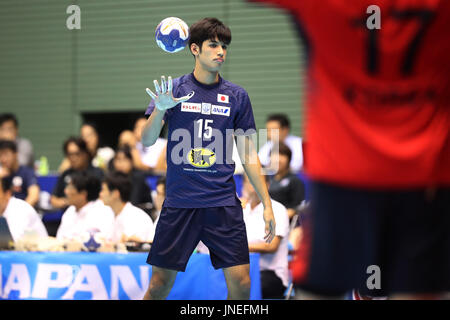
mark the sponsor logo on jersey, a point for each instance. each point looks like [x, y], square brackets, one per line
[222, 98]
[220, 110]
[191, 107]
[201, 157]
[206, 108]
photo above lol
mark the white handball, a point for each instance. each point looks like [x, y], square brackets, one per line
[172, 34]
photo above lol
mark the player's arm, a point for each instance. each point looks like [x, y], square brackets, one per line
[152, 128]
[33, 194]
[252, 167]
[264, 247]
[164, 100]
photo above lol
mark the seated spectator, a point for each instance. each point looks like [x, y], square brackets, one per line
[278, 125]
[273, 261]
[285, 187]
[145, 158]
[131, 223]
[9, 130]
[20, 216]
[24, 182]
[75, 149]
[85, 212]
[101, 155]
[123, 162]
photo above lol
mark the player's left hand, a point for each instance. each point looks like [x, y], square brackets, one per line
[269, 219]
[163, 97]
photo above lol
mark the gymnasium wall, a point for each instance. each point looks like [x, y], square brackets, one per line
[50, 76]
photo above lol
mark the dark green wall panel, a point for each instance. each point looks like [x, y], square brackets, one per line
[50, 75]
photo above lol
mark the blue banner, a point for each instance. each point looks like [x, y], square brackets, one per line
[104, 276]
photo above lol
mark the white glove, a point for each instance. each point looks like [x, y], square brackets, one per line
[164, 98]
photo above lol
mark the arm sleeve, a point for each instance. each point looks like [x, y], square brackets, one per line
[31, 178]
[244, 119]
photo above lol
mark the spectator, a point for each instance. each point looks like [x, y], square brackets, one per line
[24, 181]
[131, 223]
[273, 260]
[75, 149]
[123, 162]
[20, 216]
[285, 187]
[145, 158]
[86, 213]
[101, 155]
[279, 125]
[9, 130]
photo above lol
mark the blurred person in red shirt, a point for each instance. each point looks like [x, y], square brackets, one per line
[378, 146]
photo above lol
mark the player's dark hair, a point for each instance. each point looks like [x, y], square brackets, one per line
[9, 117]
[6, 183]
[81, 144]
[121, 182]
[284, 150]
[126, 150]
[281, 118]
[209, 29]
[85, 181]
[8, 145]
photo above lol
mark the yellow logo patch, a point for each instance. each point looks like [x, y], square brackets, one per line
[201, 157]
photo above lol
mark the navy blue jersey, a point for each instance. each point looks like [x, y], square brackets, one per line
[22, 179]
[200, 142]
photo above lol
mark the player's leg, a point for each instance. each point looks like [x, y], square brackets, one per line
[338, 242]
[176, 236]
[417, 250]
[225, 236]
[238, 282]
[160, 284]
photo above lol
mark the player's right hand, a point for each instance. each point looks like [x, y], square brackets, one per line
[164, 98]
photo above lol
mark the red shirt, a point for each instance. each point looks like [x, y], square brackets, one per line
[378, 102]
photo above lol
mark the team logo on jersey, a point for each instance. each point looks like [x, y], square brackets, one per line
[220, 110]
[191, 107]
[222, 98]
[206, 108]
[201, 157]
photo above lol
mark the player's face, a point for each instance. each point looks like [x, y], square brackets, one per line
[77, 158]
[8, 158]
[8, 130]
[89, 135]
[282, 162]
[274, 129]
[213, 55]
[74, 197]
[122, 163]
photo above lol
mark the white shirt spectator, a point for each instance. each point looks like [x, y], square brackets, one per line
[94, 215]
[254, 222]
[294, 143]
[150, 155]
[133, 222]
[22, 218]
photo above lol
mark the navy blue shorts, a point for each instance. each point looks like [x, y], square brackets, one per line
[404, 233]
[179, 230]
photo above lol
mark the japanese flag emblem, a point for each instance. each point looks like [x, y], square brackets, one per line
[222, 98]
